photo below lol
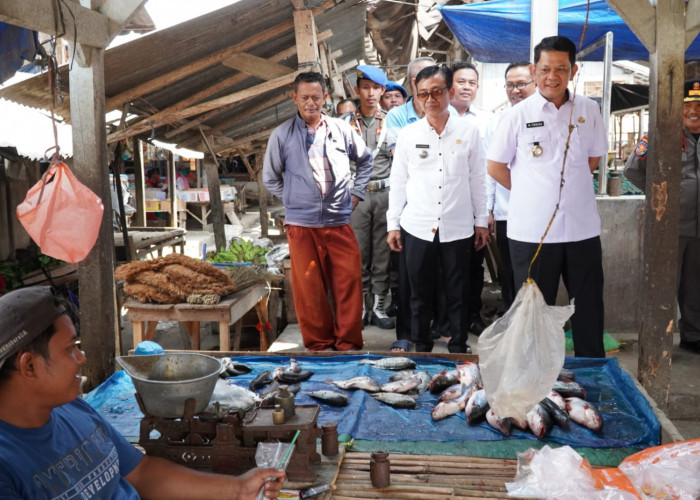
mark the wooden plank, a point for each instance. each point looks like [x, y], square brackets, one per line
[78, 23]
[263, 134]
[264, 69]
[262, 197]
[96, 272]
[307, 45]
[662, 205]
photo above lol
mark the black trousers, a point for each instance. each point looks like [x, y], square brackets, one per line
[689, 288]
[580, 264]
[403, 299]
[508, 290]
[424, 259]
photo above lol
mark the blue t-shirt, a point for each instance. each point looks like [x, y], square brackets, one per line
[75, 455]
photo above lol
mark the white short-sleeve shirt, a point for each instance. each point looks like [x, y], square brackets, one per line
[438, 181]
[537, 126]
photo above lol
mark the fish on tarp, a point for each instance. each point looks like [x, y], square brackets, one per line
[539, 420]
[331, 398]
[584, 413]
[288, 377]
[443, 380]
[260, 380]
[450, 407]
[231, 368]
[559, 416]
[401, 386]
[402, 374]
[452, 392]
[566, 374]
[500, 424]
[476, 407]
[569, 389]
[520, 423]
[424, 382]
[365, 383]
[557, 399]
[390, 363]
[294, 366]
[469, 373]
[395, 399]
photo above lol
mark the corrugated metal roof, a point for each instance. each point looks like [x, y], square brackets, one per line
[157, 55]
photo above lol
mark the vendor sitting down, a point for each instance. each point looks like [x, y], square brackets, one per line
[54, 445]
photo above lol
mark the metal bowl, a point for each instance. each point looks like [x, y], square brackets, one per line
[166, 381]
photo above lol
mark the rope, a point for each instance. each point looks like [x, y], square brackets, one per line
[566, 152]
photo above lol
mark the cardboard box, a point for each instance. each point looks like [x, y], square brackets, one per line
[152, 205]
[165, 205]
[154, 194]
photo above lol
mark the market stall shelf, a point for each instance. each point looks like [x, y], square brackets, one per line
[143, 241]
[227, 312]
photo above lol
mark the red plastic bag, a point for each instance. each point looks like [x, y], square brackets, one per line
[65, 219]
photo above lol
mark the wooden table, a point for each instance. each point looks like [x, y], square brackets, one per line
[229, 311]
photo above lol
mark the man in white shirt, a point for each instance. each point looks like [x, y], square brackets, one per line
[437, 195]
[547, 177]
[520, 84]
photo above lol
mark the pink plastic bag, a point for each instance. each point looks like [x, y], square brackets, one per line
[65, 219]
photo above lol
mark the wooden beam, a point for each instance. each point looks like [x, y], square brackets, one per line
[640, 17]
[264, 69]
[692, 22]
[96, 271]
[119, 12]
[662, 206]
[251, 172]
[70, 21]
[263, 134]
[307, 45]
[217, 209]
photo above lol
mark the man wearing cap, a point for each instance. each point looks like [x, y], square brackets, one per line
[394, 95]
[54, 445]
[689, 223]
[369, 219]
[307, 166]
[553, 133]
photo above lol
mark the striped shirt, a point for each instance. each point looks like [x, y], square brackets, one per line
[315, 144]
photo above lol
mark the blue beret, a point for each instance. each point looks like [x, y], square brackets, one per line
[371, 73]
[396, 86]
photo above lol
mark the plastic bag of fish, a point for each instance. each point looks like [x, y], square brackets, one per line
[521, 353]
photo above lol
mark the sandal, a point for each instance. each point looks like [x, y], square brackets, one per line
[402, 345]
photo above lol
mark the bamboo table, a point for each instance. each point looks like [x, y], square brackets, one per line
[229, 311]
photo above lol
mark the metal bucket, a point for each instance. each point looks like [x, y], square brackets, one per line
[166, 381]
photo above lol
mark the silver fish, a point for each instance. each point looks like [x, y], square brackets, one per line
[452, 392]
[443, 380]
[390, 363]
[395, 400]
[331, 398]
[557, 399]
[402, 375]
[584, 413]
[233, 397]
[539, 420]
[469, 374]
[447, 408]
[477, 406]
[500, 424]
[402, 386]
[424, 382]
[365, 383]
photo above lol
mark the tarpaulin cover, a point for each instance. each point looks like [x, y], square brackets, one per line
[499, 31]
[628, 418]
[17, 46]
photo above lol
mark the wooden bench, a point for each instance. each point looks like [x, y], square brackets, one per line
[229, 311]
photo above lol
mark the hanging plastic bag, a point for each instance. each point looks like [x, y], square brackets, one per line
[522, 352]
[61, 215]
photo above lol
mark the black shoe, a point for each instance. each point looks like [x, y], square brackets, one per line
[393, 306]
[383, 323]
[690, 346]
[476, 325]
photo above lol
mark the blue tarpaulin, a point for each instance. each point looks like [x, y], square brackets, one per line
[499, 31]
[628, 418]
[17, 46]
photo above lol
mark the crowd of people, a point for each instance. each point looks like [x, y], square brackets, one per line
[423, 172]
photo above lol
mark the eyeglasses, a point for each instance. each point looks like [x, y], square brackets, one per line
[435, 94]
[519, 86]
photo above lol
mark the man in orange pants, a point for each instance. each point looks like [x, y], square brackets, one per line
[307, 167]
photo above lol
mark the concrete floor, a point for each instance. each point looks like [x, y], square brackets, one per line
[684, 399]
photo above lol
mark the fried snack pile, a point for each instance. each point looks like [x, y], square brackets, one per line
[173, 279]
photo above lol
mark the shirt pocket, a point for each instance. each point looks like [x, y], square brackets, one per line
[535, 147]
[338, 159]
[458, 163]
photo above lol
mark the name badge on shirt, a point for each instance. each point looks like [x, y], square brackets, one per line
[424, 153]
[534, 124]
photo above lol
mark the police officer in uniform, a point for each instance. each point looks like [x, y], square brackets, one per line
[532, 137]
[689, 224]
[369, 219]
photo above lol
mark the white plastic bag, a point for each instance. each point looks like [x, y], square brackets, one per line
[522, 352]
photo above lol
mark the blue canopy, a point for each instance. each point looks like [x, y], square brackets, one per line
[499, 31]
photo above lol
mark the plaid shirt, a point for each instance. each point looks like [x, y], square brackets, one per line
[315, 144]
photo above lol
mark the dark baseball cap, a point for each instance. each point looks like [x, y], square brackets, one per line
[24, 315]
[691, 91]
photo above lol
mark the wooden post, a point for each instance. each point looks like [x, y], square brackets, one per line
[262, 196]
[96, 272]
[139, 185]
[666, 24]
[307, 45]
[172, 189]
[217, 208]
